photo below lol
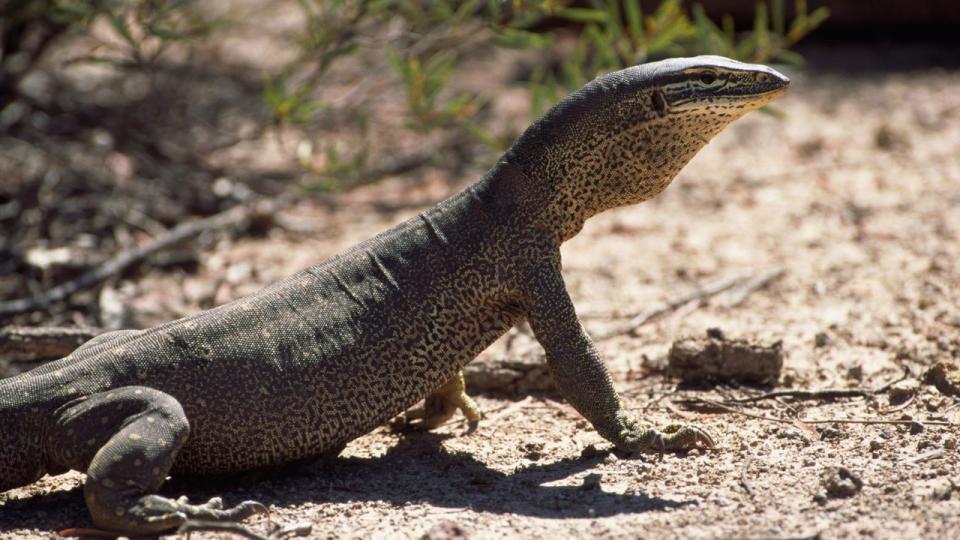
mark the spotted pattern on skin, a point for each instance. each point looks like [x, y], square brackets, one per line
[300, 368]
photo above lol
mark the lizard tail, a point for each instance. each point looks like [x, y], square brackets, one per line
[21, 452]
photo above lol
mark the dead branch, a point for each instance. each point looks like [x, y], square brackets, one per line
[738, 295]
[36, 343]
[744, 481]
[236, 217]
[865, 421]
[749, 282]
[826, 393]
[933, 454]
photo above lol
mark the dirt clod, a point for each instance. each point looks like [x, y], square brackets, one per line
[945, 376]
[447, 530]
[515, 375]
[840, 483]
[717, 359]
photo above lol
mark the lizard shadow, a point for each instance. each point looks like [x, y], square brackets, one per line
[416, 470]
[419, 470]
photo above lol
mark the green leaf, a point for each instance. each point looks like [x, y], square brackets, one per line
[582, 15]
[789, 57]
[779, 19]
[514, 38]
[634, 15]
[120, 27]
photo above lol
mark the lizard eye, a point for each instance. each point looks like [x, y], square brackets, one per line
[708, 78]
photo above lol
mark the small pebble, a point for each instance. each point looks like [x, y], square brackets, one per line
[591, 481]
[839, 482]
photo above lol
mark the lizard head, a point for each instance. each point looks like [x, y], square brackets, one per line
[623, 137]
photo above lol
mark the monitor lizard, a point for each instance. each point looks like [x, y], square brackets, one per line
[297, 370]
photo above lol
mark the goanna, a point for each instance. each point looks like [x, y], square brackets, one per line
[300, 368]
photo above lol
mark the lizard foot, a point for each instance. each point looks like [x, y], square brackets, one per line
[673, 437]
[442, 404]
[161, 513]
[276, 532]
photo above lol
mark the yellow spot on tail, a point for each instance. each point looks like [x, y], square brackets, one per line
[135, 437]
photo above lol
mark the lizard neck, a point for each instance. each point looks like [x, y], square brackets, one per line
[529, 203]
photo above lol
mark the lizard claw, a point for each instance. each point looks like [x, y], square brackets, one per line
[672, 437]
[681, 437]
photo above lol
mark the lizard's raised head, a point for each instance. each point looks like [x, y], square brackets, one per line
[623, 137]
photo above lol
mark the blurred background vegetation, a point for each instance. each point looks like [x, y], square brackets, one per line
[424, 44]
[122, 119]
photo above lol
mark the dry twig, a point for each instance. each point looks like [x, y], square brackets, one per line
[238, 216]
[29, 343]
[744, 481]
[825, 393]
[933, 454]
[866, 421]
[698, 295]
[738, 295]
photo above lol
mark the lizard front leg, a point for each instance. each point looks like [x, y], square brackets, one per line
[583, 379]
[441, 405]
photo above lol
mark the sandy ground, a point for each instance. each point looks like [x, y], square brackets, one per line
[855, 193]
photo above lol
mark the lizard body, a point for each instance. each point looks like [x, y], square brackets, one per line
[300, 368]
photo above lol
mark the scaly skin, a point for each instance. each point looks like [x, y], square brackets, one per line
[297, 370]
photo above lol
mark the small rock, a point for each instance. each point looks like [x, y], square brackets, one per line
[933, 404]
[589, 452]
[945, 376]
[591, 482]
[855, 372]
[715, 333]
[821, 340]
[447, 530]
[915, 427]
[829, 432]
[950, 444]
[944, 490]
[839, 482]
[532, 450]
[903, 390]
[875, 445]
